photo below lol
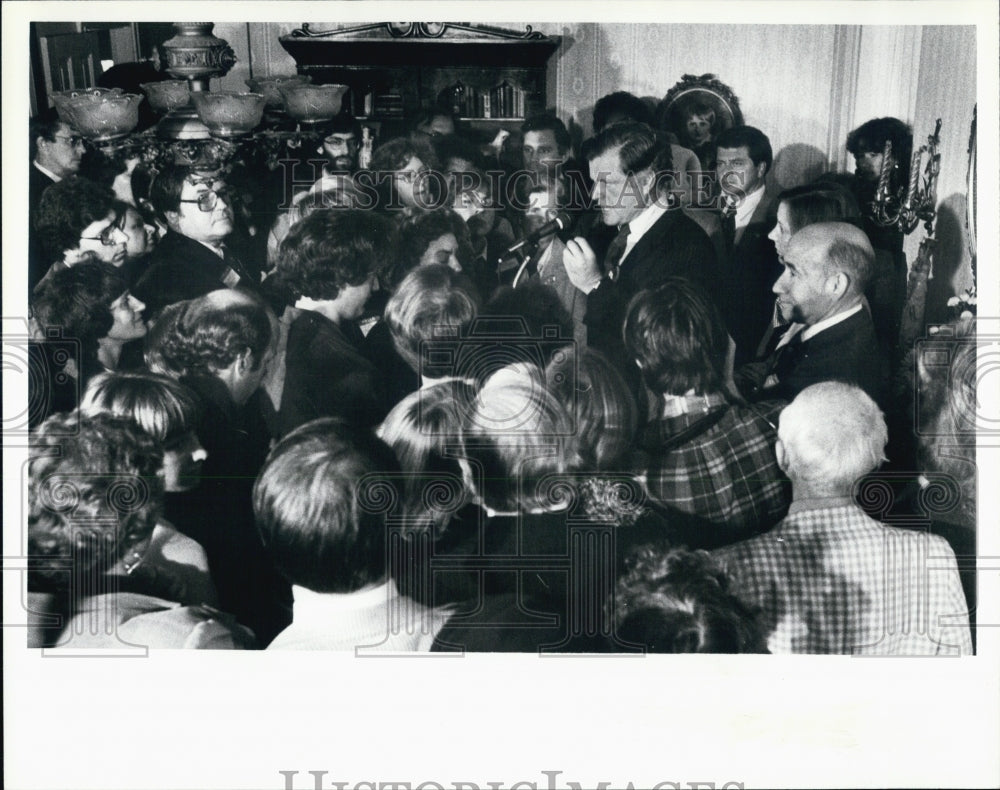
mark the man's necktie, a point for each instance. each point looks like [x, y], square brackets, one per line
[613, 259]
[784, 357]
[728, 218]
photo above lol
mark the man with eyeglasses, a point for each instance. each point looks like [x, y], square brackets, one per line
[340, 146]
[194, 256]
[56, 150]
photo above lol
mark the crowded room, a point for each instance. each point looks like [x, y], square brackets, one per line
[454, 337]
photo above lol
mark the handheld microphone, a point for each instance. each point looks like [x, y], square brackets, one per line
[561, 221]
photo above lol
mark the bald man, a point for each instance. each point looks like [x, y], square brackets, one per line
[830, 335]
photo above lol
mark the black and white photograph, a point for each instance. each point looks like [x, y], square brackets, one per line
[507, 403]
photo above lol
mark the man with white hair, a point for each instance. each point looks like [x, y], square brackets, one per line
[829, 578]
[830, 334]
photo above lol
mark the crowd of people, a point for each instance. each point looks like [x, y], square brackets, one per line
[471, 397]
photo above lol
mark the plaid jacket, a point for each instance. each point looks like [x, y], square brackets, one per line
[832, 580]
[727, 474]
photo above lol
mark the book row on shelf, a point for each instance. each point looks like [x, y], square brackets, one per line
[502, 101]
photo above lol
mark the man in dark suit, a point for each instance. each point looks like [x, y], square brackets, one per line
[56, 151]
[830, 335]
[629, 166]
[193, 258]
[750, 265]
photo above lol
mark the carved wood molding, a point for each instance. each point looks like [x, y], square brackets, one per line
[420, 30]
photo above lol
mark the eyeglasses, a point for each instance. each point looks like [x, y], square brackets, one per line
[108, 237]
[73, 140]
[409, 176]
[207, 201]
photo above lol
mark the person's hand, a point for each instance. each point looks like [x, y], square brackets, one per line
[581, 265]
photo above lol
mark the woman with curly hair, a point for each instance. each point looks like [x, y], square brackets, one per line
[94, 498]
[329, 266]
[403, 174]
[83, 316]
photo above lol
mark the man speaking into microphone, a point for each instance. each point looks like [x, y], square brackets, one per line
[631, 170]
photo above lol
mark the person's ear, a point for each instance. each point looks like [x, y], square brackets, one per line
[551, 214]
[782, 455]
[837, 284]
[172, 219]
[244, 361]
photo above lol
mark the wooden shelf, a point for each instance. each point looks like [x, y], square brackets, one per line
[421, 60]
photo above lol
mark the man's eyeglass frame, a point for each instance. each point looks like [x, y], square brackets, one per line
[207, 201]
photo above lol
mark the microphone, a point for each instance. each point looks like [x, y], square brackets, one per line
[561, 221]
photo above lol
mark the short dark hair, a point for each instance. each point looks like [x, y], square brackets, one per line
[166, 185]
[315, 505]
[641, 147]
[533, 307]
[93, 493]
[547, 122]
[331, 249]
[413, 236]
[102, 168]
[208, 335]
[677, 336]
[819, 202]
[66, 208]
[341, 124]
[78, 300]
[627, 106]
[679, 601]
[750, 137]
[45, 125]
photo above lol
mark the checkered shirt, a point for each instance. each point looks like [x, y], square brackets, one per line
[832, 580]
[728, 474]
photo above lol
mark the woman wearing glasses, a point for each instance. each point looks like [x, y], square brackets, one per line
[77, 221]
